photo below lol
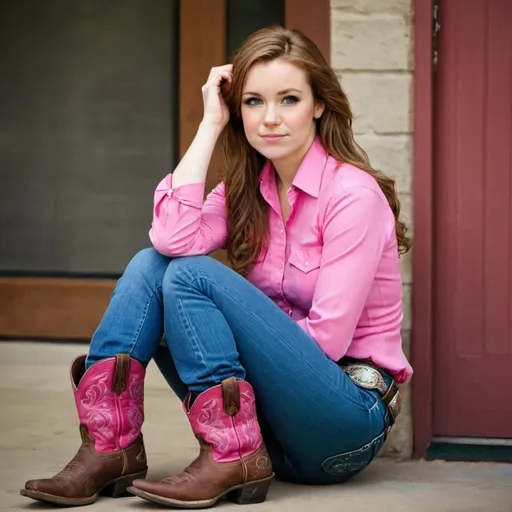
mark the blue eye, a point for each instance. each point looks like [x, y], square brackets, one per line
[290, 100]
[253, 101]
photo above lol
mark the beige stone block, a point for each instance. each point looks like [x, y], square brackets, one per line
[391, 154]
[380, 42]
[406, 212]
[398, 7]
[406, 342]
[381, 103]
[406, 267]
[407, 306]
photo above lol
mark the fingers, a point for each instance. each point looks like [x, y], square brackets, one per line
[218, 75]
[219, 69]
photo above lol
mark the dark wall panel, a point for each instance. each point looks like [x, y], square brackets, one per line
[245, 17]
[88, 100]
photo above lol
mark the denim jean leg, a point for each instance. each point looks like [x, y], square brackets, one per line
[133, 320]
[217, 324]
[202, 345]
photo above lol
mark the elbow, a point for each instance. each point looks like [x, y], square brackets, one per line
[330, 344]
[334, 353]
[162, 245]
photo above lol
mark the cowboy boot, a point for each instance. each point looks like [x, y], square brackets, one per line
[109, 398]
[232, 461]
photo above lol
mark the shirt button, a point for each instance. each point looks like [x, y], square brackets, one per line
[281, 266]
[170, 192]
[306, 263]
[282, 231]
[290, 312]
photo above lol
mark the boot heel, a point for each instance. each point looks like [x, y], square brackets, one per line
[254, 492]
[117, 488]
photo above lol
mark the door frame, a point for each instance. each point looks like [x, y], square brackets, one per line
[69, 309]
[422, 339]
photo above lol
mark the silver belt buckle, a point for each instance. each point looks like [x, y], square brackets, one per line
[366, 377]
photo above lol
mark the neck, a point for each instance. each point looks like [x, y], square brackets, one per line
[287, 168]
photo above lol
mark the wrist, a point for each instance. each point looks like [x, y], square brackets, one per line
[211, 126]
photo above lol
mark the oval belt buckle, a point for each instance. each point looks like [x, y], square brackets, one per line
[366, 377]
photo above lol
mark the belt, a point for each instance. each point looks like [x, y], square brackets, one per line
[368, 377]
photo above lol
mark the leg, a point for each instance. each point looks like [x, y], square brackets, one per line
[109, 391]
[219, 325]
[133, 321]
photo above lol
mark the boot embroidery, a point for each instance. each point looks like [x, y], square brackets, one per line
[135, 414]
[217, 429]
[99, 403]
[231, 437]
[72, 470]
[247, 424]
[141, 457]
[262, 462]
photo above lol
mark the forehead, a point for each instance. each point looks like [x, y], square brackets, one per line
[273, 76]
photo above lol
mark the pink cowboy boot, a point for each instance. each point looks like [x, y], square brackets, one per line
[109, 398]
[233, 460]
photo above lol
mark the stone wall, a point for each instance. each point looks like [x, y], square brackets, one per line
[371, 52]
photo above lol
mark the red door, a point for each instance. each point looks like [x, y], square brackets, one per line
[473, 220]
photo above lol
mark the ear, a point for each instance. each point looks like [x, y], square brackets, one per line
[319, 109]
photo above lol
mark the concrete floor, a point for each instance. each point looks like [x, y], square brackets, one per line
[38, 435]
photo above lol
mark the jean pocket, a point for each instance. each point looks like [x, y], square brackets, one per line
[348, 464]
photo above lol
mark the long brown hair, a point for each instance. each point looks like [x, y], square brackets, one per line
[247, 211]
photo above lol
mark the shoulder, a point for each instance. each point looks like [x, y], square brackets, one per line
[346, 188]
[349, 177]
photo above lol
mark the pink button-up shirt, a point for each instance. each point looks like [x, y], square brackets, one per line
[332, 266]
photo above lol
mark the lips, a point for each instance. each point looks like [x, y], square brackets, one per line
[272, 137]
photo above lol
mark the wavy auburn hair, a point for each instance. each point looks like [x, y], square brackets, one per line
[247, 212]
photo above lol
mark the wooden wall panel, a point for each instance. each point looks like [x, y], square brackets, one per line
[52, 308]
[313, 17]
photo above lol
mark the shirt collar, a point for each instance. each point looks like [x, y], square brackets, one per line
[309, 173]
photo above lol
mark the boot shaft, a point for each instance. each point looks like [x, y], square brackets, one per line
[224, 416]
[109, 398]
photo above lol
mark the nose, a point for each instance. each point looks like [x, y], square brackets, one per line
[271, 116]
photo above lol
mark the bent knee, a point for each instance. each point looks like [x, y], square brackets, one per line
[187, 268]
[147, 262]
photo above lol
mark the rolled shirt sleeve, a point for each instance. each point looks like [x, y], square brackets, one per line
[184, 223]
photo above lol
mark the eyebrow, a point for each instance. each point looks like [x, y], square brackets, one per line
[279, 93]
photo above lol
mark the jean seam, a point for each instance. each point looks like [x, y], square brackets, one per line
[192, 335]
[143, 321]
[206, 277]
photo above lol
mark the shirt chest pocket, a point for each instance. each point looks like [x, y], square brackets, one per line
[306, 259]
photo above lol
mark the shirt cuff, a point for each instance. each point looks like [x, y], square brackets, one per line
[191, 194]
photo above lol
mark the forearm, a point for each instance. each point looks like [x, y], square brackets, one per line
[193, 167]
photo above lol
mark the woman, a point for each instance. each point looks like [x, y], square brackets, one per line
[287, 362]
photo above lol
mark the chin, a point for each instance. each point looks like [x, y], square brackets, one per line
[272, 153]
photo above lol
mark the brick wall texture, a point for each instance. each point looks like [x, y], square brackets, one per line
[371, 52]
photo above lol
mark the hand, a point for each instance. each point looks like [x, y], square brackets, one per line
[215, 109]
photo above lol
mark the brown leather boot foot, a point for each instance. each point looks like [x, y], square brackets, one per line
[244, 494]
[44, 489]
[233, 461]
[109, 400]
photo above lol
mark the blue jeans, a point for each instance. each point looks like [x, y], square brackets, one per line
[318, 425]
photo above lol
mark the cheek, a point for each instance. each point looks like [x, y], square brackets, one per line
[251, 121]
[300, 119]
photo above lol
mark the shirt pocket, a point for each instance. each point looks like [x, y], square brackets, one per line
[306, 259]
